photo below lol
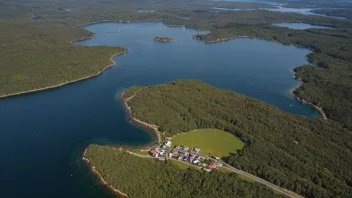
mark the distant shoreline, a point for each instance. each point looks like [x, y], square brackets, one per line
[130, 114]
[101, 179]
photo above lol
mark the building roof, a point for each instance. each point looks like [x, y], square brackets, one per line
[212, 165]
[155, 152]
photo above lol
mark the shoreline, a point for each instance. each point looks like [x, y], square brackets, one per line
[101, 179]
[150, 126]
[300, 84]
[67, 82]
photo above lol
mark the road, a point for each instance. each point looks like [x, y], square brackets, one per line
[264, 182]
[240, 172]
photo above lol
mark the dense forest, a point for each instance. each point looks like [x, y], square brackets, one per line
[346, 13]
[48, 58]
[143, 177]
[310, 156]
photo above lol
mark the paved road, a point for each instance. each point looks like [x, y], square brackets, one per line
[240, 172]
[262, 181]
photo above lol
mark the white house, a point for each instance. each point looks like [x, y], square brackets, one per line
[170, 155]
[167, 143]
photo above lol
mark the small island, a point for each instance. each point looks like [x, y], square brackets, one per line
[163, 39]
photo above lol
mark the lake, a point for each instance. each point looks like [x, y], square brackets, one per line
[44, 134]
[38, 18]
[300, 26]
[280, 8]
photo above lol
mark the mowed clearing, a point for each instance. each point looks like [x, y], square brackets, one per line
[210, 141]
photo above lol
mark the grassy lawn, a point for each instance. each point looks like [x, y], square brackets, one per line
[245, 178]
[224, 170]
[181, 165]
[139, 151]
[210, 141]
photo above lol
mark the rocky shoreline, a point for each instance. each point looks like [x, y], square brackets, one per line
[129, 111]
[101, 179]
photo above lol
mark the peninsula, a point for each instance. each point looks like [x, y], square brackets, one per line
[163, 39]
[294, 152]
[137, 176]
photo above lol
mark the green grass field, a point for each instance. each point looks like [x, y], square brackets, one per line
[181, 165]
[139, 151]
[210, 141]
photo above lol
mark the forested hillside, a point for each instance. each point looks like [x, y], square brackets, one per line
[143, 177]
[310, 156]
[36, 55]
[328, 86]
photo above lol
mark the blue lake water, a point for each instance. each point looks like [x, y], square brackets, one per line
[38, 18]
[300, 26]
[147, 11]
[280, 8]
[43, 134]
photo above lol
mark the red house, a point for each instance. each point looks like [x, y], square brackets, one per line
[154, 153]
[212, 165]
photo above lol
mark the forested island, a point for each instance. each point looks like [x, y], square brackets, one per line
[163, 39]
[144, 177]
[309, 156]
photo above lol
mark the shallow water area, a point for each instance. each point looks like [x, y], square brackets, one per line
[300, 26]
[44, 134]
[38, 18]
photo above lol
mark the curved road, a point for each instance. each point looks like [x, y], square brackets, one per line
[240, 172]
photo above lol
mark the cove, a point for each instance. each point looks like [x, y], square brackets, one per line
[43, 134]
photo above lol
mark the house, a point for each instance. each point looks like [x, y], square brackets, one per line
[167, 143]
[165, 154]
[185, 148]
[179, 158]
[183, 154]
[170, 155]
[207, 169]
[154, 153]
[214, 157]
[179, 147]
[175, 151]
[211, 165]
[218, 164]
[196, 150]
[191, 157]
[197, 162]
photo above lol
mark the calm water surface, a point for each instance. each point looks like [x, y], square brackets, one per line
[280, 8]
[43, 134]
[300, 26]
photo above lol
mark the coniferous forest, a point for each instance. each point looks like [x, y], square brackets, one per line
[312, 157]
[143, 177]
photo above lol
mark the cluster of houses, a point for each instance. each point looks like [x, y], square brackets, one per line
[183, 153]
